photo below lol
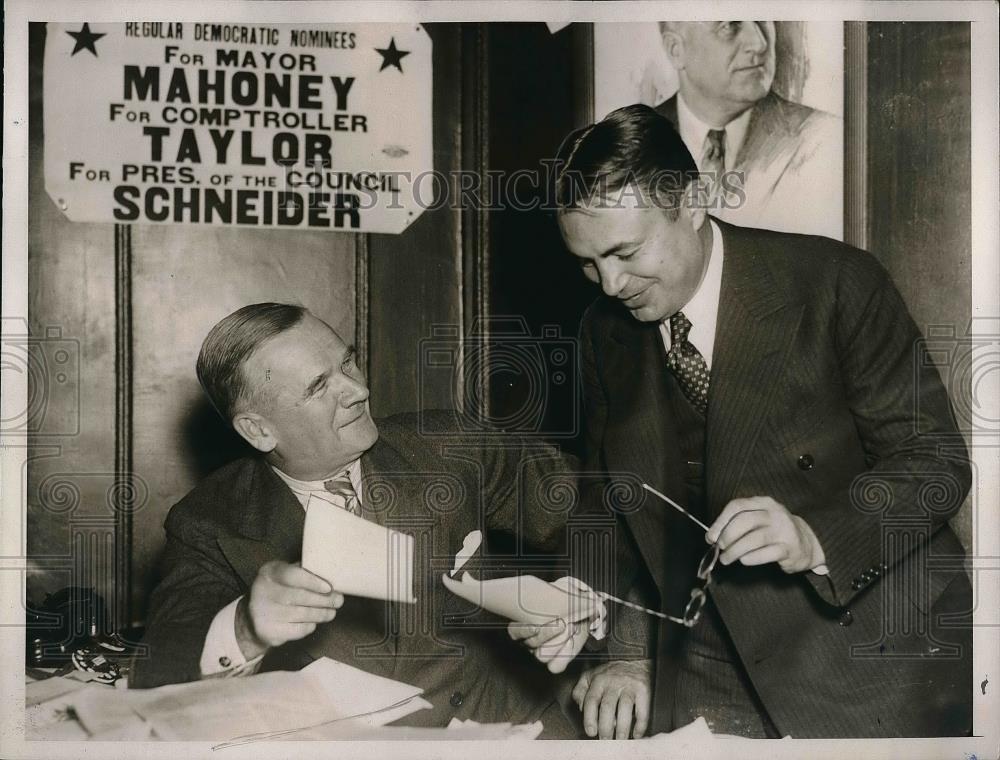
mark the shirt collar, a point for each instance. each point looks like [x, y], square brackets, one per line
[303, 488]
[694, 131]
[703, 308]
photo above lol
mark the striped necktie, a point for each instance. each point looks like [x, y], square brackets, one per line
[343, 493]
[713, 162]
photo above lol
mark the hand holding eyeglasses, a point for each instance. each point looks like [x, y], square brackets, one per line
[758, 530]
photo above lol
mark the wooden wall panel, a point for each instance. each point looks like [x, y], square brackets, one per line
[415, 280]
[71, 290]
[919, 170]
[919, 220]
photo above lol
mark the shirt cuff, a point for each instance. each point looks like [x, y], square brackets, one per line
[221, 656]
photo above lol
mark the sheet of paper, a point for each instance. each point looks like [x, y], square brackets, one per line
[525, 598]
[693, 735]
[470, 545]
[467, 731]
[242, 709]
[357, 556]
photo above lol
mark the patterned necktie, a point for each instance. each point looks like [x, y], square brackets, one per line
[687, 363]
[343, 492]
[713, 162]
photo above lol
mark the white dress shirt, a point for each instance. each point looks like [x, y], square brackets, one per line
[221, 655]
[703, 308]
[694, 131]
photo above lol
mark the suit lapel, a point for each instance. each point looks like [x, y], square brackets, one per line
[755, 331]
[271, 528]
[765, 150]
[641, 433]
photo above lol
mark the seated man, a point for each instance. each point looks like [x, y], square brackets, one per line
[234, 599]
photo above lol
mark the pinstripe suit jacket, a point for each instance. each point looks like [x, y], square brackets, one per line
[820, 400]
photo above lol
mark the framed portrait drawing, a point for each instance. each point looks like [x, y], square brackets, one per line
[760, 105]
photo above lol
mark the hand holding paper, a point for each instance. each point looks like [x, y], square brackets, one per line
[356, 556]
[558, 642]
[285, 603]
[554, 619]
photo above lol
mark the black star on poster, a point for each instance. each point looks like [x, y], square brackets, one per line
[391, 56]
[85, 40]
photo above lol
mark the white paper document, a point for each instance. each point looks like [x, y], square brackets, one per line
[470, 545]
[527, 598]
[238, 710]
[356, 556]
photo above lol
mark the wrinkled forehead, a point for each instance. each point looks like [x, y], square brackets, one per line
[693, 31]
[307, 347]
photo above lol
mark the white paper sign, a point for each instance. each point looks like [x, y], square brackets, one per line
[321, 127]
[356, 556]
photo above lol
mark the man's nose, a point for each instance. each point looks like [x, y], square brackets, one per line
[612, 278]
[353, 391]
[754, 39]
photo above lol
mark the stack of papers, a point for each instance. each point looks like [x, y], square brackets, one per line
[238, 710]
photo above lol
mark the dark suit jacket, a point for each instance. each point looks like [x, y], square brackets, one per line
[437, 487]
[819, 399]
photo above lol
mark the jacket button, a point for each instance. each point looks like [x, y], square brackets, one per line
[225, 661]
[806, 462]
[856, 584]
[846, 618]
[456, 699]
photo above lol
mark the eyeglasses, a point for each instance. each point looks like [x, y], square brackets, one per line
[695, 605]
[692, 611]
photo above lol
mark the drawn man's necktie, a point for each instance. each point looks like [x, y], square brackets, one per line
[713, 163]
[343, 493]
[687, 363]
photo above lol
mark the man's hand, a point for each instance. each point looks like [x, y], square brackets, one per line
[612, 694]
[285, 603]
[759, 530]
[555, 643]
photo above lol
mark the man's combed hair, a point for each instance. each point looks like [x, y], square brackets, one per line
[231, 342]
[632, 148]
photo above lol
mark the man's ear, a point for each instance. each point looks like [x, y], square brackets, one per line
[694, 203]
[255, 430]
[673, 46]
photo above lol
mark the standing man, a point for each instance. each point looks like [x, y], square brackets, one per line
[234, 598]
[784, 155]
[769, 384]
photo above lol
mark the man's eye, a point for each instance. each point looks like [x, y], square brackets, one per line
[729, 28]
[349, 364]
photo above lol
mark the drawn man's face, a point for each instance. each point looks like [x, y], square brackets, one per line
[727, 62]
